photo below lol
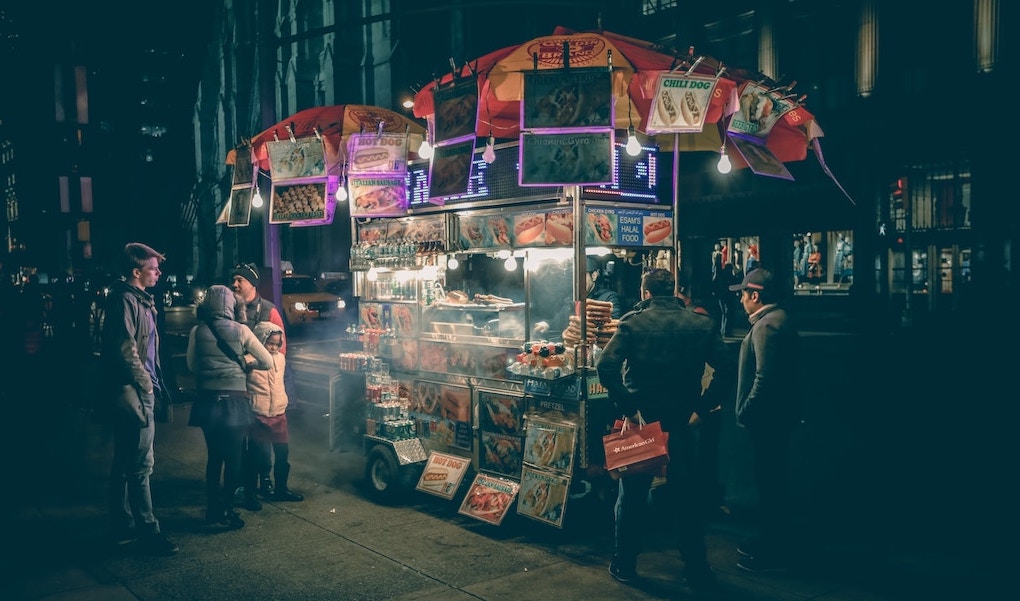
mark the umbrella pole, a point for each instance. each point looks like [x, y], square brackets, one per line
[675, 267]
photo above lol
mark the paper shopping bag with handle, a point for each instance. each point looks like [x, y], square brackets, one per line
[636, 449]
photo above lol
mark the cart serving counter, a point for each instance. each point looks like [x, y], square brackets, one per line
[471, 354]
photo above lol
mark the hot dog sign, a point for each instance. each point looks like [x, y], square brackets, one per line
[377, 154]
[681, 102]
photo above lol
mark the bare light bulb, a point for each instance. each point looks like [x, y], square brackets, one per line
[341, 193]
[256, 201]
[425, 150]
[372, 275]
[633, 146]
[510, 264]
[453, 263]
[489, 154]
[724, 165]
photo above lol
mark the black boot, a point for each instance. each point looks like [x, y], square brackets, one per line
[250, 502]
[282, 493]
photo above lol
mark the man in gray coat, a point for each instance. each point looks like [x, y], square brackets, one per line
[768, 407]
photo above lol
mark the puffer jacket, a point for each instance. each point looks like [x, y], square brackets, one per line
[268, 395]
[655, 361]
[212, 368]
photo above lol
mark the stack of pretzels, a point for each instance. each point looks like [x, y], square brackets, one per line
[599, 325]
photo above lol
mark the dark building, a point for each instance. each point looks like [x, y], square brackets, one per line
[97, 136]
[917, 186]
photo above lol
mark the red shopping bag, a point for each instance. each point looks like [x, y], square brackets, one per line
[636, 449]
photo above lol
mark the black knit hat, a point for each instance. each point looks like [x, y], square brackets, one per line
[247, 271]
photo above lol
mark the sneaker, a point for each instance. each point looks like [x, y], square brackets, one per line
[157, 543]
[625, 575]
[762, 564]
[286, 495]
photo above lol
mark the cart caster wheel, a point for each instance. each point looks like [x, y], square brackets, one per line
[387, 479]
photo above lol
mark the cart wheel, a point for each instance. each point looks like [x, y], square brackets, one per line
[383, 473]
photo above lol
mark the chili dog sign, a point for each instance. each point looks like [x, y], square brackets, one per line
[628, 227]
[680, 103]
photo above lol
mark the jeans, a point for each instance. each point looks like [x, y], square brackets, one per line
[129, 496]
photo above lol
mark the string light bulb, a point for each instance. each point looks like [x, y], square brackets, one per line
[510, 264]
[453, 263]
[489, 154]
[256, 200]
[341, 192]
[724, 166]
[633, 146]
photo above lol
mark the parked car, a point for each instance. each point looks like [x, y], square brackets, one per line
[304, 300]
[183, 294]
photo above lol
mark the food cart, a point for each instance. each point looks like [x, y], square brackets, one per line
[449, 370]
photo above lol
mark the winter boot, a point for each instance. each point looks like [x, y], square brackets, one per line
[282, 493]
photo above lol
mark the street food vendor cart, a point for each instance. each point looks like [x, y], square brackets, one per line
[448, 364]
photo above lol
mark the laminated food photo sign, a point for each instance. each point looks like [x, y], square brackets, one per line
[296, 159]
[298, 201]
[680, 103]
[443, 474]
[456, 111]
[543, 496]
[489, 499]
[550, 445]
[377, 154]
[378, 196]
[567, 99]
[583, 158]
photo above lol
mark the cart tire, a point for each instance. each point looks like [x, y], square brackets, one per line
[386, 479]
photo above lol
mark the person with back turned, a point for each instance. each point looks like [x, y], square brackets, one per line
[132, 379]
[652, 368]
[768, 408]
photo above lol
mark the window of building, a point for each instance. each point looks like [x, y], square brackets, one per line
[651, 7]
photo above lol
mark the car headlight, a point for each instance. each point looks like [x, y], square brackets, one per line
[300, 306]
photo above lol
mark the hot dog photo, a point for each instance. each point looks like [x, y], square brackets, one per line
[657, 230]
[680, 103]
[559, 228]
[529, 228]
[377, 153]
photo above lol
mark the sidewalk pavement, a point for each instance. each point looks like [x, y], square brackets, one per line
[337, 544]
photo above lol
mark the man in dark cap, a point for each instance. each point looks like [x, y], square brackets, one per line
[245, 281]
[768, 408]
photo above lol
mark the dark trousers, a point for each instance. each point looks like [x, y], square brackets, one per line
[262, 457]
[771, 477]
[682, 500]
[225, 446]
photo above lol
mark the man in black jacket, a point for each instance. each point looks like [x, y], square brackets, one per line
[652, 368]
